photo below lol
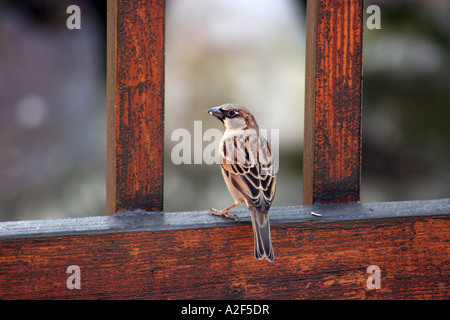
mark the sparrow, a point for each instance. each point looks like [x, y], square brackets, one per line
[247, 167]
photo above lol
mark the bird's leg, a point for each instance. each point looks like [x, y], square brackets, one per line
[224, 212]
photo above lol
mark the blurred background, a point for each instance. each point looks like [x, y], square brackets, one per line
[53, 100]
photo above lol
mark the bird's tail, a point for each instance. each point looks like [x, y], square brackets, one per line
[261, 231]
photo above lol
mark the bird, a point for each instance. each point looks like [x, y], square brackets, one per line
[247, 167]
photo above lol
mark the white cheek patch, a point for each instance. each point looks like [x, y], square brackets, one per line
[234, 123]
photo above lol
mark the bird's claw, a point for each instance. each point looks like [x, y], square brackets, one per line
[223, 213]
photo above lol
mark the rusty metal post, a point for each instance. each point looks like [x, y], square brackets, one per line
[135, 105]
[333, 94]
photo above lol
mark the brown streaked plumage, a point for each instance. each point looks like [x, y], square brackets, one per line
[248, 171]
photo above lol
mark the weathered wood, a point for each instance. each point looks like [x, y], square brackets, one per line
[135, 105]
[111, 85]
[195, 255]
[332, 147]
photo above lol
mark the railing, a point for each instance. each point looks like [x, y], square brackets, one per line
[340, 250]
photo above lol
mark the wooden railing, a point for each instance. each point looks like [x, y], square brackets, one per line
[331, 247]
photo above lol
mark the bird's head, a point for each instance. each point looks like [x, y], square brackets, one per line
[234, 117]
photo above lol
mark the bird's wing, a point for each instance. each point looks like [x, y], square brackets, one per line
[248, 163]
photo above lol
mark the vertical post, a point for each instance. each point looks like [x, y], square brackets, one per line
[333, 92]
[135, 105]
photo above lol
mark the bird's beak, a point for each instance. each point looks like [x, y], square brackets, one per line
[216, 112]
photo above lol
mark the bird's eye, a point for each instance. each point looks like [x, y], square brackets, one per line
[232, 113]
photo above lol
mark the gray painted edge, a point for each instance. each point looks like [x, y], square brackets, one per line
[156, 221]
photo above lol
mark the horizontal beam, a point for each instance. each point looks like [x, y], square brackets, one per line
[195, 255]
[139, 220]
